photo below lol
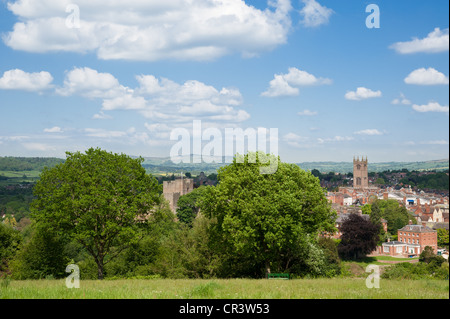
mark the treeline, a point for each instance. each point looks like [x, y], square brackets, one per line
[102, 212]
[434, 180]
[18, 164]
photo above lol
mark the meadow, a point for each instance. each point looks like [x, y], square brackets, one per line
[335, 288]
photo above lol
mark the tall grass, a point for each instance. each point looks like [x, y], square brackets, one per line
[336, 288]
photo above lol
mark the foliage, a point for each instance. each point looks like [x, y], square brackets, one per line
[359, 237]
[99, 199]
[396, 215]
[442, 237]
[188, 205]
[40, 257]
[27, 163]
[10, 240]
[416, 271]
[332, 265]
[264, 220]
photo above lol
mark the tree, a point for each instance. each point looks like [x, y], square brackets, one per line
[442, 236]
[375, 218]
[10, 240]
[188, 205]
[265, 222]
[359, 237]
[99, 199]
[42, 256]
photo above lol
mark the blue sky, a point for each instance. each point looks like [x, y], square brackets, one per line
[123, 76]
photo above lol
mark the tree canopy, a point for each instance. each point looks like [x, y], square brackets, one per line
[359, 237]
[267, 221]
[98, 199]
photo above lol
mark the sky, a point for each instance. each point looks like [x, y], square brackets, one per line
[336, 79]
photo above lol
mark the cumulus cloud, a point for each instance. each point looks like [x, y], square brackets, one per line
[337, 138]
[91, 83]
[314, 14]
[150, 30]
[401, 100]
[362, 93]
[20, 80]
[55, 129]
[431, 107]
[288, 84]
[428, 76]
[436, 41]
[156, 99]
[295, 140]
[369, 132]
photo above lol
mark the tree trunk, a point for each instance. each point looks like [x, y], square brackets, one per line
[100, 267]
[267, 267]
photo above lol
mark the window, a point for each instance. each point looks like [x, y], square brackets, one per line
[386, 249]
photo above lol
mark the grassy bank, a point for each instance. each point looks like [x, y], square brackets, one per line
[336, 288]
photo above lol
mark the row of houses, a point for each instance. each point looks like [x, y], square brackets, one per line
[430, 210]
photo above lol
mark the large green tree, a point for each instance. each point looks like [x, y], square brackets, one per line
[98, 199]
[265, 222]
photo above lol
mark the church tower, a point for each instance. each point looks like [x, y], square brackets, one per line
[360, 173]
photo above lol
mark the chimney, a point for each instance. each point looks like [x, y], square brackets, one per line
[418, 202]
[410, 222]
[385, 195]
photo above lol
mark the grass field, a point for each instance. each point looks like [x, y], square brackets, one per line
[336, 288]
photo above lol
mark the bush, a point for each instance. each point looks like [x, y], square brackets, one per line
[417, 271]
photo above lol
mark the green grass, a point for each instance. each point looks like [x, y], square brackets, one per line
[336, 288]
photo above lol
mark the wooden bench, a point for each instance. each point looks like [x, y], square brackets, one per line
[278, 276]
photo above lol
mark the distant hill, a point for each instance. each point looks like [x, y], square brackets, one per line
[346, 167]
[163, 165]
[19, 164]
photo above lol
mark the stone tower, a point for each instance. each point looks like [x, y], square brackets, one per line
[360, 173]
[173, 190]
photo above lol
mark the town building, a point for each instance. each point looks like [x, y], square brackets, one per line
[412, 240]
[360, 173]
[173, 190]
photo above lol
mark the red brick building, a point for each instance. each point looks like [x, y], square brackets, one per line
[412, 240]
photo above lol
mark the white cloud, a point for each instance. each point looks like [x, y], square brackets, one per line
[335, 139]
[288, 84]
[315, 14]
[55, 129]
[157, 99]
[428, 76]
[19, 80]
[401, 100]
[362, 93]
[90, 83]
[150, 30]
[280, 87]
[41, 147]
[307, 113]
[436, 142]
[369, 132]
[431, 107]
[295, 140]
[436, 41]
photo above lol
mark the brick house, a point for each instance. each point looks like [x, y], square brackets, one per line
[412, 240]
